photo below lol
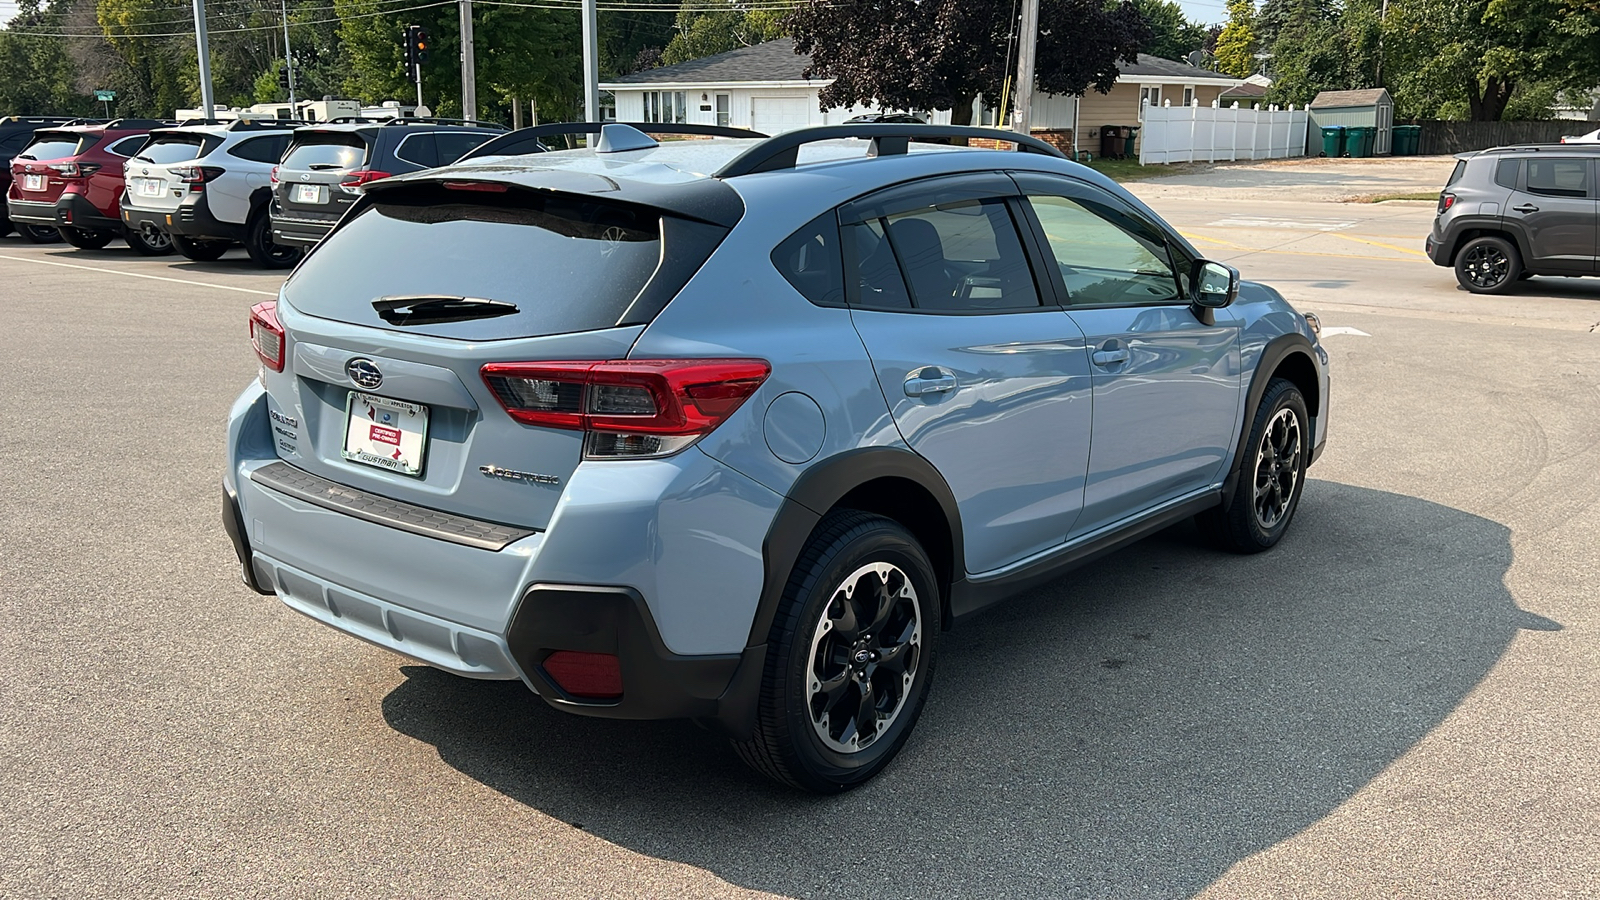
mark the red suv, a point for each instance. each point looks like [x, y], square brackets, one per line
[71, 178]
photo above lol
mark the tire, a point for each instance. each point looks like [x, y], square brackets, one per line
[84, 239]
[1488, 265]
[6, 227]
[1272, 474]
[149, 242]
[258, 243]
[200, 251]
[38, 234]
[817, 640]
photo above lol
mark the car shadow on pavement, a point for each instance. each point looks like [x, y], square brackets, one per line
[1131, 730]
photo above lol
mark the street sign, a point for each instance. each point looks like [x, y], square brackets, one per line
[105, 96]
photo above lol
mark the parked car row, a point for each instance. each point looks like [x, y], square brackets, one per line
[274, 186]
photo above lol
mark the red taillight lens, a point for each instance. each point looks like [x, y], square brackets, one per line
[1446, 201]
[197, 176]
[274, 175]
[266, 335]
[596, 676]
[629, 407]
[362, 176]
[75, 169]
[487, 187]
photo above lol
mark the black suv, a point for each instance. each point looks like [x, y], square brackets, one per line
[1510, 213]
[15, 133]
[326, 165]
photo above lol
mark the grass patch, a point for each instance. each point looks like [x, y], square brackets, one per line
[1123, 170]
[1379, 198]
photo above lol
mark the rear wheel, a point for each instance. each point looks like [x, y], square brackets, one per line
[849, 657]
[5, 227]
[258, 243]
[38, 234]
[84, 239]
[200, 251]
[149, 240]
[1488, 265]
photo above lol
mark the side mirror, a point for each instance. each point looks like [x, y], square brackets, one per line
[1215, 284]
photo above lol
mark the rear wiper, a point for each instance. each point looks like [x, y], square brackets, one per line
[323, 167]
[26, 156]
[431, 309]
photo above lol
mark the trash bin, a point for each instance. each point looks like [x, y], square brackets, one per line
[1130, 134]
[1358, 140]
[1333, 140]
[1110, 141]
[1406, 140]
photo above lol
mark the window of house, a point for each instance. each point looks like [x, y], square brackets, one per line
[1151, 95]
[666, 107]
[1188, 96]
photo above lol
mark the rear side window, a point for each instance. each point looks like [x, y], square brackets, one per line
[419, 150]
[964, 256]
[171, 148]
[262, 149]
[1457, 172]
[129, 146]
[326, 151]
[1558, 177]
[810, 260]
[567, 263]
[57, 146]
[1506, 171]
[455, 144]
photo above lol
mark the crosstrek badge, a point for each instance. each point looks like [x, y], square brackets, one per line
[386, 433]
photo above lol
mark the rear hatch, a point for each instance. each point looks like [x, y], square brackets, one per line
[392, 318]
[322, 173]
[46, 165]
[157, 177]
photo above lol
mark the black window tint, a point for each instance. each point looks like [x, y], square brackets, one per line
[811, 261]
[963, 256]
[326, 151]
[130, 146]
[452, 145]
[1505, 172]
[262, 149]
[10, 146]
[1456, 173]
[1558, 177]
[879, 284]
[417, 149]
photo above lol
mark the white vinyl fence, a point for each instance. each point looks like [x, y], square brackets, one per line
[1173, 134]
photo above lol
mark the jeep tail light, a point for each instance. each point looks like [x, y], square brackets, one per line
[74, 169]
[627, 408]
[592, 676]
[1445, 202]
[266, 335]
[197, 176]
[354, 180]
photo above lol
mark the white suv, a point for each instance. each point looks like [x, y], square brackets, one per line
[209, 186]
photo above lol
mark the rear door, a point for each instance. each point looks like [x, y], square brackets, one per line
[1554, 206]
[32, 178]
[152, 182]
[312, 169]
[985, 375]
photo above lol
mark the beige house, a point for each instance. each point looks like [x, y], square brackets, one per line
[764, 87]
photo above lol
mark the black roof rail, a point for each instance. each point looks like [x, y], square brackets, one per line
[783, 151]
[36, 120]
[530, 140]
[139, 123]
[435, 120]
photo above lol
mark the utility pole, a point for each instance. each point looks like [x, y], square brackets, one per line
[1027, 43]
[469, 66]
[591, 63]
[203, 42]
[288, 56]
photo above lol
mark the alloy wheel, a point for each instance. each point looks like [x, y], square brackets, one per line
[1277, 468]
[864, 656]
[1486, 266]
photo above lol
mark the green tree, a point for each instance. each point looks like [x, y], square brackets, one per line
[1236, 43]
[1172, 35]
[37, 76]
[704, 27]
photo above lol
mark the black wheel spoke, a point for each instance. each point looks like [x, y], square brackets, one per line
[895, 659]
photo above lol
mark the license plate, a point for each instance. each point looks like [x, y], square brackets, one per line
[147, 187]
[33, 182]
[309, 193]
[389, 434]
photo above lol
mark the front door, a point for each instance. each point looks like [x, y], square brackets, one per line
[1166, 384]
[985, 376]
[1555, 206]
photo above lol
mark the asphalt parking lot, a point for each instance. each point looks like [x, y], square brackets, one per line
[1401, 700]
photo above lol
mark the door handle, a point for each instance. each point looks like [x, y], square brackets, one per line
[1110, 357]
[1525, 208]
[929, 380]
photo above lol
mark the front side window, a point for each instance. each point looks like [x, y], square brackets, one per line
[964, 256]
[1558, 177]
[1106, 257]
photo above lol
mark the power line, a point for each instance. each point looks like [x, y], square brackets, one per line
[273, 27]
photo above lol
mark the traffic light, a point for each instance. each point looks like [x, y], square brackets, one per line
[283, 76]
[416, 42]
[422, 45]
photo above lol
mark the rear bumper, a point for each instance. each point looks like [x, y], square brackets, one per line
[1438, 250]
[31, 212]
[137, 218]
[193, 219]
[75, 211]
[296, 230]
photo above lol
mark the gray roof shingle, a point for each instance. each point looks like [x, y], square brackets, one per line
[1147, 65]
[1337, 99]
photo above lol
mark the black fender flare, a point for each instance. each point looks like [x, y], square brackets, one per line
[1495, 225]
[1273, 354]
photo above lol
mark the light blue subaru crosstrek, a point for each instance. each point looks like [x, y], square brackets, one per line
[733, 429]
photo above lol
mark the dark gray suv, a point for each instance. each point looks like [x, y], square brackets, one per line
[1510, 213]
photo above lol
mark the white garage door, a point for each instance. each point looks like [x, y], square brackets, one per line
[774, 115]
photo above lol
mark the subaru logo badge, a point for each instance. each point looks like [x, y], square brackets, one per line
[364, 372]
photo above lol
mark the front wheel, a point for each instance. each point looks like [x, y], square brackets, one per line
[38, 234]
[258, 243]
[1272, 472]
[149, 241]
[849, 657]
[1488, 265]
[200, 251]
[84, 239]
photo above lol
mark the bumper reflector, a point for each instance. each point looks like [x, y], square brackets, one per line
[593, 676]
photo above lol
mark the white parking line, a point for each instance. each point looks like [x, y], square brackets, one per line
[1343, 329]
[220, 287]
[1285, 224]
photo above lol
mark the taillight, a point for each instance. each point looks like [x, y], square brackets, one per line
[274, 175]
[628, 408]
[356, 179]
[75, 169]
[197, 176]
[1446, 201]
[266, 335]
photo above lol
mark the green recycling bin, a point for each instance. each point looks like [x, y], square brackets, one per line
[1131, 134]
[1358, 140]
[1406, 140]
[1333, 140]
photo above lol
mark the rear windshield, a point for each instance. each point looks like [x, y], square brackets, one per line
[326, 151]
[57, 146]
[567, 263]
[171, 148]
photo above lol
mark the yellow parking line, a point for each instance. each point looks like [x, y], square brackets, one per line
[1243, 248]
[1210, 240]
[1380, 244]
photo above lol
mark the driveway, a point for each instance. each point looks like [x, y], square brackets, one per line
[1304, 180]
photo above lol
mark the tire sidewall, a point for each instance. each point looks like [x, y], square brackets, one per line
[199, 250]
[140, 244]
[1282, 395]
[1513, 271]
[884, 542]
[259, 244]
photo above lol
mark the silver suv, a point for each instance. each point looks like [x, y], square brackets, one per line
[1511, 213]
[209, 186]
